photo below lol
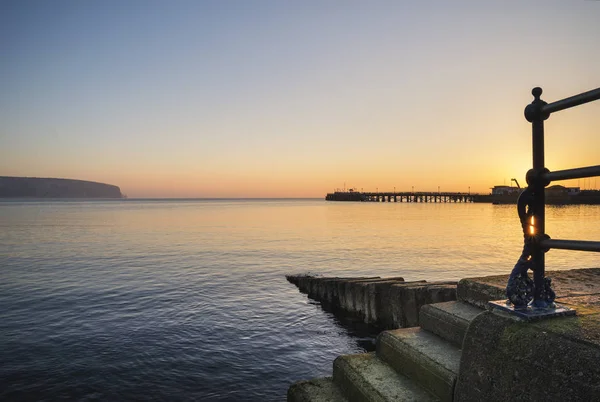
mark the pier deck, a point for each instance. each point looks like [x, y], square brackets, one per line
[401, 196]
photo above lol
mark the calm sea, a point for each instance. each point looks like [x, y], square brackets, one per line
[187, 299]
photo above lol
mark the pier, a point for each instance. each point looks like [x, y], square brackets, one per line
[401, 197]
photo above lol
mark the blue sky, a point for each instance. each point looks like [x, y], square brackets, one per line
[270, 98]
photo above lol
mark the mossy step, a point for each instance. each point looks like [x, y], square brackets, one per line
[479, 291]
[315, 390]
[448, 320]
[365, 377]
[429, 360]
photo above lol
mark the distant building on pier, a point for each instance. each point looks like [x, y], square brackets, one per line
[505, 190]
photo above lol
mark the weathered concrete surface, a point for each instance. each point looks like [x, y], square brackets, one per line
[566, 284]
[351, 296]
[376, 299]
[448, 320]
[384, 302]
[552, 360]
[364, 377]
[315, 390]
[308, 284]
[502, 358]
[422, 356]
[556, 359]
[406, 300]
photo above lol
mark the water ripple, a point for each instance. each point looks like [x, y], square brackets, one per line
[187, 300]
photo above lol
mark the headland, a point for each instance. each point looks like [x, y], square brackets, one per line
[36, 187]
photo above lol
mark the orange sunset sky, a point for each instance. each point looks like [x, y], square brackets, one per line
[293, 99]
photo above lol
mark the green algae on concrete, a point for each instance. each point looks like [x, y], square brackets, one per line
[364, 377]
[315, 390]
[551, 360]
[503, 358]
[571, 283]
[427, 359]
[556, 359]
[448, 320]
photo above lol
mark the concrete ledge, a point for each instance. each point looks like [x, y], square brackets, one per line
[387, 303]
[391, 302]
[479, 291]
[406, 301]
[552, 360]
[573, 283]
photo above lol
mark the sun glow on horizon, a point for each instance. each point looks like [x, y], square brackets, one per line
[293, 100]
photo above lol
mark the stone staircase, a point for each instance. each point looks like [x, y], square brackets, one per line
[410, 364]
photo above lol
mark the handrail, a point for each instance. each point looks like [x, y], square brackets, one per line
[531, 207]
[579, 245]
[572, 101]
[578, 173]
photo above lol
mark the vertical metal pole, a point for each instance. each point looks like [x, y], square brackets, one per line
[535, 115]
[539, 195]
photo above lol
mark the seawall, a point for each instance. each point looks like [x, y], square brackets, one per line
[555, 359]
[386, 303]
[466, 351]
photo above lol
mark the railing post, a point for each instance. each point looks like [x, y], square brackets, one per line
[535, 115]
[535, 299]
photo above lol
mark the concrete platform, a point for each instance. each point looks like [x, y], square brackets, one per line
[577, 287]
[531, 313]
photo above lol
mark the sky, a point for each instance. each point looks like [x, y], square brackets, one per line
[274, 98]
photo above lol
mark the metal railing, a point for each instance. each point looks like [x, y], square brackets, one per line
[539, 177]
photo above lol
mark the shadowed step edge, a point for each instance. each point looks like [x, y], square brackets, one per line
[315, 390]
[448, 320]
[426, 358]
[365, 377]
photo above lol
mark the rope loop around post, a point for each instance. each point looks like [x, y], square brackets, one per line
[520, 287]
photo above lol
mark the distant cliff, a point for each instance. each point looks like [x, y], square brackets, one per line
[55, 188]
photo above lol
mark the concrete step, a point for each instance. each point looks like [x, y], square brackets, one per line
[365, 377]
[448, 320]
[404, 300]
[315, 390]
[479, 291]
[429, 360]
